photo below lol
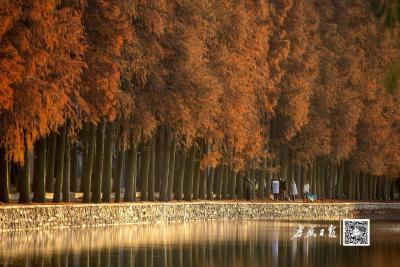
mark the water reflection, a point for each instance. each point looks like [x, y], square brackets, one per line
[196, 244]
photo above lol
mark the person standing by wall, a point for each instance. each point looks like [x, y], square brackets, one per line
[275, 188]
[293, 190]
[306, 191]
[249, 186]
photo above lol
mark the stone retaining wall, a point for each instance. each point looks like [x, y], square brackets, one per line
[20, 217]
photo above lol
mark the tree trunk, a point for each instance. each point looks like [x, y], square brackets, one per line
[67, 170]
[131, 174]
[364, 186]
[196, 177]
[60, 165]
[219, 182]
[269, 178]
[232, 189]
[40, 172]
[304, 174]
[88, 167]
[350, 188]
[210, 181]
[118, 168]
[215, 179]
[285, 161]
[261, 181]
[327, 176]
[25, 191]
[335, 180]
[345, 184]
[35, 175]
[19, 176]
[107, 164]
[240, 194]
[313, 172]
[225, 182]
[181, 174]
[360, 184]
[144, 171]
[357, 186]
[324, 178]
[203, 176]
[327, 180]
[392, 185]
[51, 156]
[166, 167]
[253, 178]
[342, 175]
[379, 188]
[339, 185]
[118, 174]
[370, 187]
[4, 177]
[158, 157]
[385, 189]
[299, 173]
[318, 178]
[171, 169]
[332, 180]
[389, 187]
[375, 189]
[98, 170]
[369, 182]
[189, 173]
[203, 184]
[74, 168]
[291, 169]
[85, 152]
[152, 173]
[177, 172]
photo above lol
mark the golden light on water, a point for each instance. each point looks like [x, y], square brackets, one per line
[212, 243]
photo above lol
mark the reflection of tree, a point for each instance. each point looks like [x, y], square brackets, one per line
[95, 257]
[84, 259]
[128, 257]
[222, 244]
[275, 248]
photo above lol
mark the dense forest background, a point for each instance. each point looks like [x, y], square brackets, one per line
[190, 98]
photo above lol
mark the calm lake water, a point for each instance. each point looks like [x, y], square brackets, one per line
[214, 243]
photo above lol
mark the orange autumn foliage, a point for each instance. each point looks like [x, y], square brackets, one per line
[247, 78]
[43, 46]
[106, 29]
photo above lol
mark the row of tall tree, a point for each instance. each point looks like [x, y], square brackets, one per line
[190, 98]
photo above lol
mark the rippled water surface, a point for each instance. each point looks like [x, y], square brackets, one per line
[214, 243]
